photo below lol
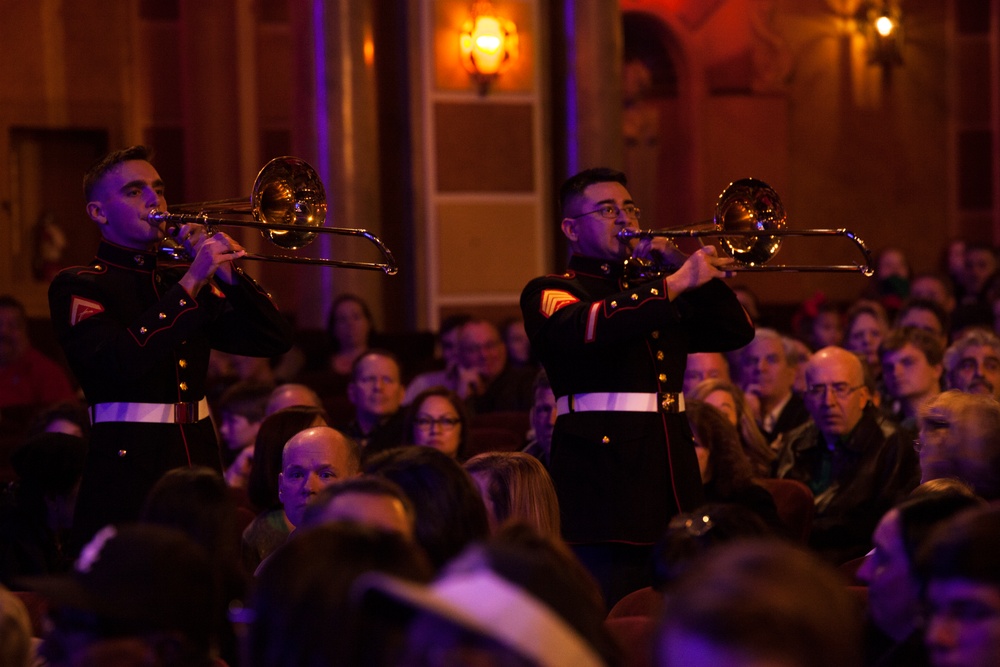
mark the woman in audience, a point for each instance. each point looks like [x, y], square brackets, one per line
[349, 329]
[437, 418]
[867, 324]
[726, 472]
[516, 487]
[731, 400]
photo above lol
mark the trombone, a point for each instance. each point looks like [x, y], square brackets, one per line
[750, 223]
[288, 207]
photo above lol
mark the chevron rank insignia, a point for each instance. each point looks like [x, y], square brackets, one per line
[80, 309]
[554, 299]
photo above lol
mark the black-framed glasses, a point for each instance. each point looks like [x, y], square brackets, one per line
[443, 423]
[611, 212]
[840, 389]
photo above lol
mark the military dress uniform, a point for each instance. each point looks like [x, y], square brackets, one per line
[139, 347]
[615, 350]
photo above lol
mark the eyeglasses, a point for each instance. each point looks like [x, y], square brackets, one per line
[611, 212]
[444, 423]
[840, 389]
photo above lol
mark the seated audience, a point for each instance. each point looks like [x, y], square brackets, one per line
[867, 324]
[731, 401]
[960, 437]
[927, 315]
[959, 570]
[768, 366]
[855, 473]
[350, 330]
[366, 499]
[450, 514]
[890, 285]
[312, 460]
[449, 376]
[437, 418]
[516, 487]
[291, 395]
[543, 419]
[27, 377]
[977, 288]
[818, 322]
[241, 410]
[760, 603]
[937, 288]
[972, 363]
[894, 634]
[376, 391]
[515, 340]
[911, 372]
[68, 417]
[494, 384]
[703, 366]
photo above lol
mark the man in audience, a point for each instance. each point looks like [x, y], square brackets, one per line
[972, 363]
[376, 391]
[543, 419]
[960, 570]
[290, 395]
[843, 456]
[704, 366]
[366, 499]
[960, 437]
[311, 461]
[927, 315]
[450, 376]
[494, 385]
[27, 377]
[768, 368]
[911, 370]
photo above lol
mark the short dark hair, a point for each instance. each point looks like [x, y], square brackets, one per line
[924, 341]
[964, 547]
[109, 162]
[574, 186]
[371, 485]
[248, 399]
[933, 307]
[375, 352]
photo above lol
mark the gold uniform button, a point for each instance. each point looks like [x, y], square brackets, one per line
[654, 291]
[183, 302]
[655, 335]
[182, 363]
[122, 453]
[183, 386]
[143, 330]
[662, 377]
[614, 304]
[98, 267]
[606, 440]
[634, 297]
[659, 355]
[162, 316]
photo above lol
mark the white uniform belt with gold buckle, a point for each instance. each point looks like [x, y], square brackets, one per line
[150, 413]
[620, 402]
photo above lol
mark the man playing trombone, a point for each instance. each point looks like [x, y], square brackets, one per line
[137, 335]
[615, 346]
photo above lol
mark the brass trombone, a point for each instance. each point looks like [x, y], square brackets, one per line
[750, 223]
[287, 206]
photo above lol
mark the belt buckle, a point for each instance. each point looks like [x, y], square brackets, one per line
[669, 402]
[185, 413]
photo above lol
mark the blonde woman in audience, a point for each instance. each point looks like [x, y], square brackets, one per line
[731, 401]
[516, 487]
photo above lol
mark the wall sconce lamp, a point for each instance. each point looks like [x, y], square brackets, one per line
[488, 44]
[880, 23]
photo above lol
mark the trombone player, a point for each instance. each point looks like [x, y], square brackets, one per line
[137, 335]
[615, 348]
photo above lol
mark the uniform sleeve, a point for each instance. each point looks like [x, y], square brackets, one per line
[715, 317]
[250, 324]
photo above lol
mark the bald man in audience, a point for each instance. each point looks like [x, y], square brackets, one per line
[960, 438]
[291, 395]
[311, 461]
[972, 363]
[854, 470]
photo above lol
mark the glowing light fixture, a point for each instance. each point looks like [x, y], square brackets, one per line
[880, 23]
[488, 44]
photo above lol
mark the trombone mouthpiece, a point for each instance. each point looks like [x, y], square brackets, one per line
[155, 216]
[628, 234]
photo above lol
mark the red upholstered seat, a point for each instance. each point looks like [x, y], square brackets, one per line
[643, 602]
[794, 501]
[634, 635]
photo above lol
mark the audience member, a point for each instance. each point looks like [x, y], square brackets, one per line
[241, 411]
[959, 569]
[768, 366]
[349, 331]
[726, 472]
[818, 322]
[972, 363]
[312, 460]
[226, 369]
[515, 340]
[542, 418]
[437, 418]
[366, 499]
[911, 370]
[450, 375]
[36, 511]
[843, 455]
[760, 603]
[936, 288]
[495, 385]
[302, 611]
[960, 437]
[891, 283]
[894, 610]
[68, 417]
[376, 391]
[927, 315]
[703, 366]
[516, 487]
[450, 513]
[730, 400]
[15, 631]
[290, 395]
[148, 584]
[867, 324]
[27, 377]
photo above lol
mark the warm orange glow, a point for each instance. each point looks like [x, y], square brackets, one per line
[488, 44]
[884, 25]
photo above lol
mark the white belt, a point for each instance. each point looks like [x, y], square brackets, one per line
[150, 413]
[620, 402]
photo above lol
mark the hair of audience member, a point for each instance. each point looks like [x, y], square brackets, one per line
[302, 599]
[108, 163]
[74, 412]
[456, 403]
[866, 307]
[731, 469]
[518, 488]
[933, 307]
[754, 445]
[924, 341]
[690, 536]
[246, 398]
[964, 547]
[944, 484]
[372, 485]
[375, 351]
[765, 600]
[974, 337]
[574, 186]
[275, 431]
[331, 318]
[15, 631]
[919, 515]
[449, 510]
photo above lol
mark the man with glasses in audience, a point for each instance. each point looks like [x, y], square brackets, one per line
[855, 471]
[614, 344]
[972, 363]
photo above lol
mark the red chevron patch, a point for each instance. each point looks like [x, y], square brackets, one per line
[80, 309]
[554, 299]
